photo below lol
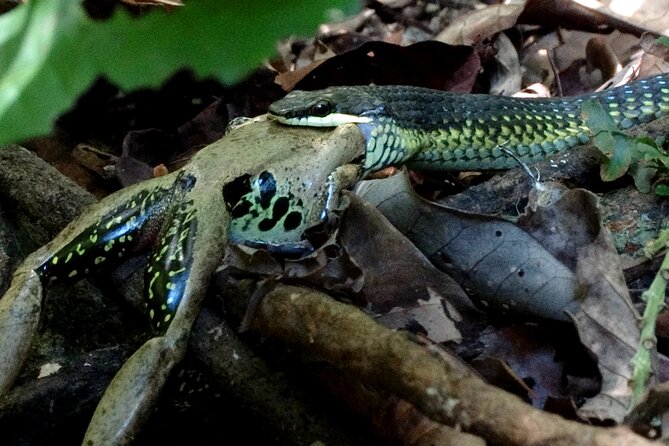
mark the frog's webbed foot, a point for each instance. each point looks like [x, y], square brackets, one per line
[343, 177]
[105, 234]
[175, 283]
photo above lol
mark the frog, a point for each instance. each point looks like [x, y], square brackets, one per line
[263, 185]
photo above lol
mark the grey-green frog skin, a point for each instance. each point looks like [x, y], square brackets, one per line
[263, 184]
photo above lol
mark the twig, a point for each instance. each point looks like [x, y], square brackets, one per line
[654, 298]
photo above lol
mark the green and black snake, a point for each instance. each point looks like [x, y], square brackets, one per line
[437, 130]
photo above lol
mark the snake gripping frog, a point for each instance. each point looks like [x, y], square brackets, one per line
[263, 184]
[268, 185]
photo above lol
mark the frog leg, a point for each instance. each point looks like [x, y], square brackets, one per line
[114, 228]
[343, 177]
[19, 316]
[175, 283]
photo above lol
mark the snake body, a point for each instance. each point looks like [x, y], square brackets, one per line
[437, 130]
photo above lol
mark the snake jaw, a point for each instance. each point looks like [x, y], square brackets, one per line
[330, 120]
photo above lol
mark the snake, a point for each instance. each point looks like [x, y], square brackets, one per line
[437, 130]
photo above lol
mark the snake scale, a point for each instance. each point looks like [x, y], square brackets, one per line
[437, 130]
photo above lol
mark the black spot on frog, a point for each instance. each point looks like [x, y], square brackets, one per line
[267, 188]
[235, 195]
[280, 208]
[292, 221]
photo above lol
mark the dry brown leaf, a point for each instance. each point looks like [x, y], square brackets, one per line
[607, 323]
[506, 77]
[288, 79]
[601, 62]
[530, 357]
[306, 62]
[477, 25]
[503, 268]
[400, 284]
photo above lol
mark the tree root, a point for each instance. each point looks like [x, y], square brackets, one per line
[438, 386]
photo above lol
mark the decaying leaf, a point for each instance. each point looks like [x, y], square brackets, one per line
[607, 322]
[576, 274]
[426, 64]
[561, 222]
[401, 285]
[477, 25]
[503, 268]
[530, 357]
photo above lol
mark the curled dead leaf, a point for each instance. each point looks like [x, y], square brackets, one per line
[503, 268]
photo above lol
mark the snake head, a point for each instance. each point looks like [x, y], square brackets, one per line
[331, 107]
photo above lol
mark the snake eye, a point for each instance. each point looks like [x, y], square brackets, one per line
[321, 108]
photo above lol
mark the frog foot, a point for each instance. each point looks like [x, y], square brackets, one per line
[160, 216]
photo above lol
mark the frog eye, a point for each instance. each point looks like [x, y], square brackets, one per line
[320, 109]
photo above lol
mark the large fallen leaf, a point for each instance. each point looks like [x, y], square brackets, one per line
[480, 24]
[607, 322]
[400, 285]
[501, 266]
[574, 273]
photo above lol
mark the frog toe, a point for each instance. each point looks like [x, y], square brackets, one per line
[20, 310]
[131, 394]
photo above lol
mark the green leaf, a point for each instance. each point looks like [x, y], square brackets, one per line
[619, 159]
[663, 40]
[642, 157]
[596, 118]
[644, 151]
[662, 189]
[643, 177]
[50, 51]
[605, 142]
